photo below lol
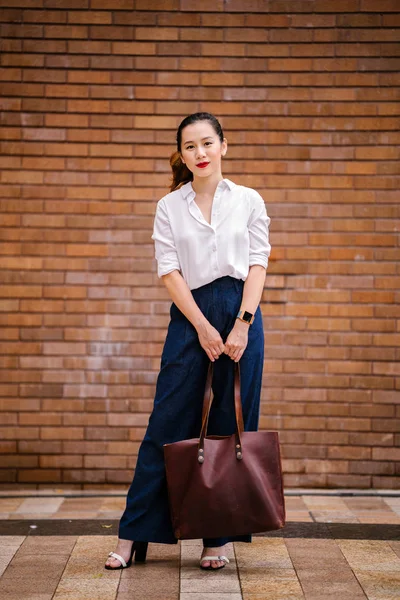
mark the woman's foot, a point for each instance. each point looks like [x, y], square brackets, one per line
[124, 548]
[213, 564]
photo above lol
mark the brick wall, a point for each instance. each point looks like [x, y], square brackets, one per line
[92, 92]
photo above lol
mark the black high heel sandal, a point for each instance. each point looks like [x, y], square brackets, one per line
[139, 549]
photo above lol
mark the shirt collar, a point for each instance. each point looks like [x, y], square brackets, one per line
[189, 193]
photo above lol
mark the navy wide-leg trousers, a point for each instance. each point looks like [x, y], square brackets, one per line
[178, 404]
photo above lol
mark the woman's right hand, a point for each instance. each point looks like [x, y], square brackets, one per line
[210, 340]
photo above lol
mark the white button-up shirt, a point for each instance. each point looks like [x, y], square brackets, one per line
[236, 239]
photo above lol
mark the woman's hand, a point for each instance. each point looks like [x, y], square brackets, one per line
[210, 340]
[236, 341]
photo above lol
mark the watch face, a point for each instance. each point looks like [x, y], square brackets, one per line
[247, 316]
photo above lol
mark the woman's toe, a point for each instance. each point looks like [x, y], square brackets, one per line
[113, 562]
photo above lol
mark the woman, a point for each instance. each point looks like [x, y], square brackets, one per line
[212, 248]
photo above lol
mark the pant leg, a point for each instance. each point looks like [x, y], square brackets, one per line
[176, 416]
[222, 416]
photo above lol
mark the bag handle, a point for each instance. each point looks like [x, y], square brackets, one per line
[207, 402]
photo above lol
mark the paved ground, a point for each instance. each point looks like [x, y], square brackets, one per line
[334, 547]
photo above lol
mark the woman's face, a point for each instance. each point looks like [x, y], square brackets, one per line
[201, 149]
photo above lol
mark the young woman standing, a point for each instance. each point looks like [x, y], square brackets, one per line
[212, 247]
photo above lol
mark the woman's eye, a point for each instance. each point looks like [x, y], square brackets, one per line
[191, 146]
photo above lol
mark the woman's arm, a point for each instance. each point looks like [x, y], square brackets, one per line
[209, 338]
[253, 287]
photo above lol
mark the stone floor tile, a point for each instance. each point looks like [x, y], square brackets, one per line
[6, 555]
[86, 589]
[273, 583]
[360, 503]
[393, 504]
[270, 553]
[86, 503]
[211, 585]
[322, 569]
[32, 516]
[11, 541]
[326, 584]
[380, 585]
[279, 594]
[160, 595]
[113, 504]
[185, 543]
[44, 570]
[396, 547]
[108, 514]
[159, 576]
[74, 515]
[207, 596]
[32, 596]
[49, 544]
[331, 516]
[304, 517]
[10, 504]
[294, 502]
[265, 569]
[370, 555]
[95, 547]
[189, 570]
[327, 503]
[380, 519]
[318, 553]
[39, 506]
[84, 576]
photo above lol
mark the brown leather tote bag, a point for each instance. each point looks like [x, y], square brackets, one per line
[225, 486]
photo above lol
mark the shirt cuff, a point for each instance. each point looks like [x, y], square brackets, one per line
[258, 259]
[167, 263]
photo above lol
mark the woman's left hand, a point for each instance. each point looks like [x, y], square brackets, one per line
[236, 341]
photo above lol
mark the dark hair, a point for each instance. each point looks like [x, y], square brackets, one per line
[180, 173]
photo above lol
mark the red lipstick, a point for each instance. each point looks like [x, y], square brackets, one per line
[202, 165]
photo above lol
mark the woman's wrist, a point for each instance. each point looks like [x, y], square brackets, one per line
[241, 324]
[200, 323]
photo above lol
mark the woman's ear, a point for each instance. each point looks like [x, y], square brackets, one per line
[224, 148]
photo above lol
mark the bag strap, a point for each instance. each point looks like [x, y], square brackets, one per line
[207, 402]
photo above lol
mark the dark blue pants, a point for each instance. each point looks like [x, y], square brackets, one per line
[178, 404]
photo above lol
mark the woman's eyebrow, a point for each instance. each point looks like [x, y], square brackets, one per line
[204, 138]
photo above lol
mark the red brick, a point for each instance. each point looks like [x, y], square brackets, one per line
[372, 467]
[60, 461]
[386, 425]
[110, 4]
[350, 452]
[39, 475]
[371, 439]
[385, 482]
[348, 481]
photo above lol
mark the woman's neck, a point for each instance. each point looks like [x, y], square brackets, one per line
[206, 185]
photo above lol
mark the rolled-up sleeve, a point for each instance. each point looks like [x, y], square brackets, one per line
[258, 226]
[165, 249]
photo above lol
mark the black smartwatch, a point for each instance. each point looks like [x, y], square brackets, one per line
[245, 316]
